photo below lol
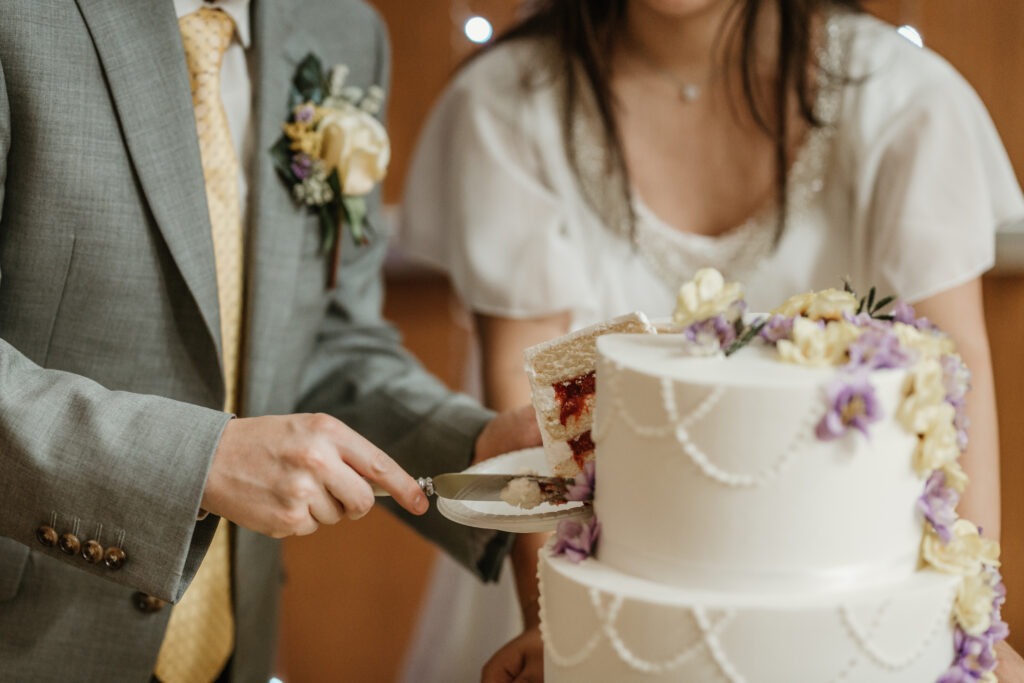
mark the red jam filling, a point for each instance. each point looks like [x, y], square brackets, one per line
[572, 396]
[582, 446]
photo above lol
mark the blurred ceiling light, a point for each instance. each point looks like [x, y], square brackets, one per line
[478, 29]
[911, 34]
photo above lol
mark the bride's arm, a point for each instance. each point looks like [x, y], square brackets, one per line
[502, 341]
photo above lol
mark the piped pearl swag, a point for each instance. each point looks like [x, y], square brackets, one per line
[200, 635]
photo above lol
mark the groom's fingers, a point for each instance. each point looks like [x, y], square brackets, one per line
[351, 491]
[326, 508]
[377, 466]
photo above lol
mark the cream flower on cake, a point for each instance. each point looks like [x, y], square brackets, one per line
[937, 446]
[973, 605]
[705, 296]
[956, 478]
[929, 344]
[965, 554]
[922, 390]
[815, 345]
[828, 304]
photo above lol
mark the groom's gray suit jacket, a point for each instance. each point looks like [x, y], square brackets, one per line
[110, 379]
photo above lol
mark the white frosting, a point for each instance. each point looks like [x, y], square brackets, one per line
[522, 492]
[602, 625]
[710, 476]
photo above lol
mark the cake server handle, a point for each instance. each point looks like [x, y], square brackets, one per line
[426, 485]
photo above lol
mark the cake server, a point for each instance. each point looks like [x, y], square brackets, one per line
[483, 487]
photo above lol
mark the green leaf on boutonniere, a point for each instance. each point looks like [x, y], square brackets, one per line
[295, 99]
[355, 216]
[309, 79]
[281, 153]
[328, 228]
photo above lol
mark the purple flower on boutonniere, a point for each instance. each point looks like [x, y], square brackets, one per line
[877, 349]
[302, 165]
[305, 113]
[851, 404]
[576, 540]
[582, 488]
[777, 328]
[938, 503]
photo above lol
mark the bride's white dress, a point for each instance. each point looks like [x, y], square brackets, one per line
[903, 189]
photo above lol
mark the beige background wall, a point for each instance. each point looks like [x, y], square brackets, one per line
[354, 590]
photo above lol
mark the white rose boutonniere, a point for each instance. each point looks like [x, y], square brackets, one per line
[334, 150]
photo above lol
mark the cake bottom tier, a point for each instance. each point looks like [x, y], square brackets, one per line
[602, 625]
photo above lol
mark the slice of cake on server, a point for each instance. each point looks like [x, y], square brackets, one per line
[562, 383]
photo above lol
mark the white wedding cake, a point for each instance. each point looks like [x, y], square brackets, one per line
[781, 513]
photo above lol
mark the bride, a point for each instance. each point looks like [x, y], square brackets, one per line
[602, 151]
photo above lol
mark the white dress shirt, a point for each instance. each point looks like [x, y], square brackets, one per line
[235, 84]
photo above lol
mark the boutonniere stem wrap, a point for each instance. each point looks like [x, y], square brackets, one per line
[333, 151]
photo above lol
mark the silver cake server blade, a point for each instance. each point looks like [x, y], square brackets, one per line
[484, 487]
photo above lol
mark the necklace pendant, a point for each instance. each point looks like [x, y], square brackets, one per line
[689, 92]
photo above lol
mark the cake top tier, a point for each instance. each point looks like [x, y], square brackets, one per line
[756, 365]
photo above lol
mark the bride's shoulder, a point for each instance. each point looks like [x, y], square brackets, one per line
[505, 77]
[891, 81]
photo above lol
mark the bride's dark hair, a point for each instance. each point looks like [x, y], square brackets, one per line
[582, 33]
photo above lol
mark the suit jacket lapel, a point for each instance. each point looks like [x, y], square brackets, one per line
[141, 52]
[275, 238]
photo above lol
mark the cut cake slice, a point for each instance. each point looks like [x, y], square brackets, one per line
[562, 382]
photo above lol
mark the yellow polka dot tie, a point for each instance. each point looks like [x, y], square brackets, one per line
[200, 635]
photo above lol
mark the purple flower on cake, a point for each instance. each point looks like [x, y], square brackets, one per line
[576, 540]
[879, 348]
[956, 379]
[902, 312]
[851, 404]
[865, 320]
[975, 654]
[938, 503]
[777, 328]
[716, 332]
[582, 489]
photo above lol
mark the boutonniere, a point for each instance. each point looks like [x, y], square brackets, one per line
[333, 150]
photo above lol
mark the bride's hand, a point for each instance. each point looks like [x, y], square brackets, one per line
[511, 430]
[521, 660]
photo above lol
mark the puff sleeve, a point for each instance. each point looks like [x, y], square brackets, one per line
[479, 203]
[939, 184]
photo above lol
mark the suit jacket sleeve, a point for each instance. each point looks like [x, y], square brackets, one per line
[360, 373]
[124, 469]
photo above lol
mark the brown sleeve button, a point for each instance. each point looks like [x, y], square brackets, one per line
[46, 535]
[147, 604]
[69, 543]
[114, 557]
[92, 551]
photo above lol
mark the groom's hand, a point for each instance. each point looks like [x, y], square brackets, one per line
[509, 431]
[284, 475]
